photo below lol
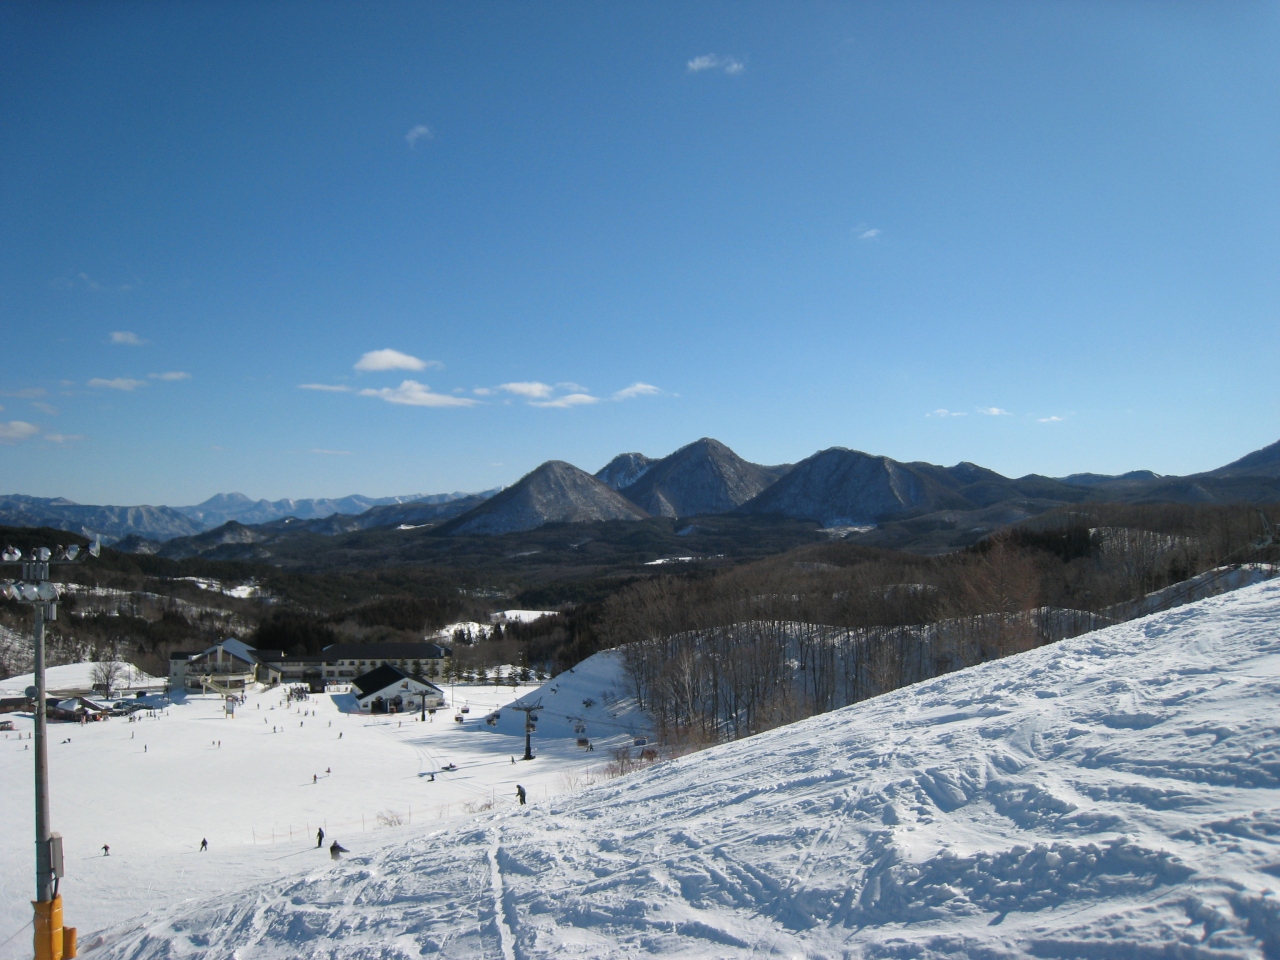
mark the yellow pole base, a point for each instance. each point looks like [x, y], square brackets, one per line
[48, 928]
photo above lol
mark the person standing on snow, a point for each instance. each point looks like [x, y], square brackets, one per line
[204, 846]
[106, 850]
[520, 794]
[319, 838]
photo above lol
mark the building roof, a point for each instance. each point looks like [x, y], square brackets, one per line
[237, 648]
[386, 651]
[380, 678]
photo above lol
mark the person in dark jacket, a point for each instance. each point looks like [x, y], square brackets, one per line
[520, 794]
[319, 838]
[204, 846]
[336, 850]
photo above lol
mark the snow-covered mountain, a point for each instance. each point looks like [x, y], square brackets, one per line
[624, 470]
[107, 523]
[1112, 796]
[222, 507]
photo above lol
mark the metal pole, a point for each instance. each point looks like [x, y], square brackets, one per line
[44, 868]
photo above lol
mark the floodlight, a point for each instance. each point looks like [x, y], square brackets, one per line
[72, 551]
[28, 591]
[11, 555]
[43, 553]
[47, 591]
[95, 548]
[7, 591]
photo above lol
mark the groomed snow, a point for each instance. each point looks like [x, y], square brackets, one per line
[76, 676]
[152, 788]
[1114, 795]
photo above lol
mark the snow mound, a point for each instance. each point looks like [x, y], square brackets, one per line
[1116, 795]
[78, 677]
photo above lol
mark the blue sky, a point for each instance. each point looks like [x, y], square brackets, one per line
[1040, 237]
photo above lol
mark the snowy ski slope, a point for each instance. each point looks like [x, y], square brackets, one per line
[1114, 795]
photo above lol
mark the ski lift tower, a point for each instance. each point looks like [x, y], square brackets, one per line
[53, 941]
[530, 711]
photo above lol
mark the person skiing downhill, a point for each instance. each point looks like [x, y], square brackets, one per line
[106, 850]
[336, 850]
[520, 794]
[204, 845]
[319, 838]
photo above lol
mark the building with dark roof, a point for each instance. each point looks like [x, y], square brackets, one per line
[387, 689]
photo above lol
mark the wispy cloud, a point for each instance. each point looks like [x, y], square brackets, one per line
[994, 412]
[376, 360]
[946, 413]
[529, 388]
[17, 430]
[637, 389]
[715, 61]
[870, 234]
[331, 453]
[63, 437]
[414, 394]
[48, 409]
[326, 387]
[1050, 419]
[26, 393]
[119, 383]
[171, 375]
[482, 392]
[126, 337]
[419, 132]
[568, 400]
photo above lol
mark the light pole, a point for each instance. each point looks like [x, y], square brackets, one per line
[53, 941]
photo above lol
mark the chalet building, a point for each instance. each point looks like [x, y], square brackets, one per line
[229, 665]
[387, 689]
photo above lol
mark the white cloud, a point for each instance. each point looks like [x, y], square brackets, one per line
[119, 383]
[568, 400]
[126, 337]
[869, 234]
[331, 453]
[420, 132]
[415, 394]
[63, 437]
[1050, 419]
[714, 61]
[482, 392]
[16, 430]
[637, 390]
[48, 409]
[393, 360]
[30, 392]
[528, 388]
[994, 412]
[171, 375]
[326, 387]
[946, 413]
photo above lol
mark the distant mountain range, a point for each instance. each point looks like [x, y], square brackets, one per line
[836, 487]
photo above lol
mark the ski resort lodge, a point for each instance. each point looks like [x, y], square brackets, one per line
[387, 689]
[228, 666]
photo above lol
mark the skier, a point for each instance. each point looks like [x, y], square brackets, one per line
[204, 846]
[313, 778]
[319, 838]
[336, 850]
[520, 794]
[106, 850]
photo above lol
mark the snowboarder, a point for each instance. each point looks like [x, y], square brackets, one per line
[320, 838]
[204, 845]
[106, 850]
[520, 794]
[313, 778]
[336, 850]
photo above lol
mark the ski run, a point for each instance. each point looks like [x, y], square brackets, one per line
[1116, 795]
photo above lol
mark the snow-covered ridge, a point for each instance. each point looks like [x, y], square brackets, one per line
[1114, 795]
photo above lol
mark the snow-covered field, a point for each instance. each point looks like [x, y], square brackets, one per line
[1112, 796]
[155, 787]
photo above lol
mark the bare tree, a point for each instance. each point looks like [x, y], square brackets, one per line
[106, 674]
